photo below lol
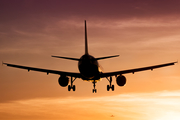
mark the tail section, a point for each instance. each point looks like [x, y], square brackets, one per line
[86, 50]
[86, 44]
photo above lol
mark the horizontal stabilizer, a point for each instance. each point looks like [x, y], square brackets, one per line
[66, 58]
[106, 57]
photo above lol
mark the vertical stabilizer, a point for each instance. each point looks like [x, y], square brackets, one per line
[86, 44]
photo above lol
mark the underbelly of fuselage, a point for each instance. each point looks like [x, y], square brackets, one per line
[89, 72]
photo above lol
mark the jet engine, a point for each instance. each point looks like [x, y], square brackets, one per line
[121, 80]
[63, 81]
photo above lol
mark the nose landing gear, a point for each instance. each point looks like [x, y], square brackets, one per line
[94, 85]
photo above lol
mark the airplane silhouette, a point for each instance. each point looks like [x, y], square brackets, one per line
[89, 69]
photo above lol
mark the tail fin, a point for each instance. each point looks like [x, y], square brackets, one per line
[86, 44]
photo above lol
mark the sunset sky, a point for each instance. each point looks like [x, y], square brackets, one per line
[142, 32]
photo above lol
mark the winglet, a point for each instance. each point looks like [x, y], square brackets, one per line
[86, 44]
[3, 63]
[176, 62]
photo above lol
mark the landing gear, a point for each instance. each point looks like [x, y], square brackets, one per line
[94, 90]
[72, 86]
[69, 87]
[110, 86]
[94, 85]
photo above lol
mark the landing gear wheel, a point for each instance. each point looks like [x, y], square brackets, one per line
[94, 90]
[108, 87]
[112, 87]
[74, 87]
[69, 88]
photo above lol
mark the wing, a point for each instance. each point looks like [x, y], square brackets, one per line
[77, 75]
[135, 70]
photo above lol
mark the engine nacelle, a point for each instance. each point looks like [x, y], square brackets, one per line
[63, 81]
[121, 80]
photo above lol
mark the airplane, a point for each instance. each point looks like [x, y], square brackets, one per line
[89, 70]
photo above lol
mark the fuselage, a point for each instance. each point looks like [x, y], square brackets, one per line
[89, 68]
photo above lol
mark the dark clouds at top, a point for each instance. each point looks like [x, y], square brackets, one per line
[109, 9]
[36, 15]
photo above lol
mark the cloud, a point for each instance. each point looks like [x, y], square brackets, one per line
[116, 9]
[136, 106]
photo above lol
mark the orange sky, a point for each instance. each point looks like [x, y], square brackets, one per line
[137, 106]
[143, 33]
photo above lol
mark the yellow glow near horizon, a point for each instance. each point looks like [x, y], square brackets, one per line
[168, 115]
[137, 106]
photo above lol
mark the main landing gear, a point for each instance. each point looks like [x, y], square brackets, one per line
[94, 85]
[72, 86]
[110, 86]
